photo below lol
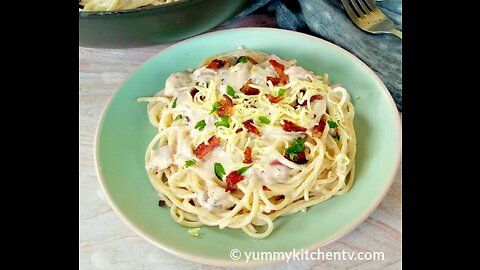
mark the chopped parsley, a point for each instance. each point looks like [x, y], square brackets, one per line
[174, 104]
[244, 169]
[281, 92]
[200, 125]
[298, 145]
[231, 92]
[332, 124]
[264, 119]
[215, 107]
[219, 170]
[242, 59]
[178, 117]
[190, 162]
[223, 121]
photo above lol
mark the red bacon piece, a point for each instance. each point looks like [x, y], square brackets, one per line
[291, 127]
[274, 80]
[193, 92]
[247, 90]
[317, 130]
[227, 107]
[239, 130]
[252, 60]
[276, 162]
[300, 158]
[312, 98]
[203, 149]
[232, 179]
[247, 155]
[249, 125]
[216, 64]
[279, 69]
[273, 99]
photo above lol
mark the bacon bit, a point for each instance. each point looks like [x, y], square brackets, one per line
[239, 130]
[276, 162]
[273, 99]
[312, 98]
[300, 158]
[247, 155]
[227, 107]
[193, 92]
[274, 80]
[317, 130]
[265, 188]
[291, 127]
[279, 69]
[247, 90]
[161, 203]
[217, 64]
[252, 60]
[203, 149]
[250, 127]
[232, 179]
[191, 202]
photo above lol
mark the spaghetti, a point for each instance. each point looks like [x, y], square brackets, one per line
[246, 138]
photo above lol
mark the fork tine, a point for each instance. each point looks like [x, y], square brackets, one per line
[357, 8]
[371, 4]
[349, 9]
[364, 6]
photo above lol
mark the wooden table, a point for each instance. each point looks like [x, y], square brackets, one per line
[107, 243]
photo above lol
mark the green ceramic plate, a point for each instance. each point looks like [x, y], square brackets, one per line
[124, 133]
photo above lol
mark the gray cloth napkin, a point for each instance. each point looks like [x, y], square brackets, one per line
[329, 20]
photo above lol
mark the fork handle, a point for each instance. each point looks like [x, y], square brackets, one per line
[397, 33]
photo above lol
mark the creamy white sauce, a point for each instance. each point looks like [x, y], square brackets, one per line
[270, 174]
[296, 73]
[176, 81]
[184, 150]
[235, 77]
[215, 199]
[260, 73]
[319, 108]
[270, 134]
[204, 167]
[160, 159]
[193, 113]
[275, 174]
[204, 74]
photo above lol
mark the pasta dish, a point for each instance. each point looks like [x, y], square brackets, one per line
[248, 137]
[110, 5]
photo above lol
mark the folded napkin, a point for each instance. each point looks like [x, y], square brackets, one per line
[329, 20]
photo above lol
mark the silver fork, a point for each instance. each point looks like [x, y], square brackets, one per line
[366, 15]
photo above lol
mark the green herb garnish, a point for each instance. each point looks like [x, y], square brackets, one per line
[281, 92]
[332, 124]
[336, 138]
[242, 59]
[174, 104]
[223, 121]
[215, 107]
[219, 170]
[264, 119]
[244, 169]
[178, 117]
[200, 125]
[231, 92]
[189, 163]
[298, 145]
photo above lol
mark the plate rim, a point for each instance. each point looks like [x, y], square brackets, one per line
[239, 263]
